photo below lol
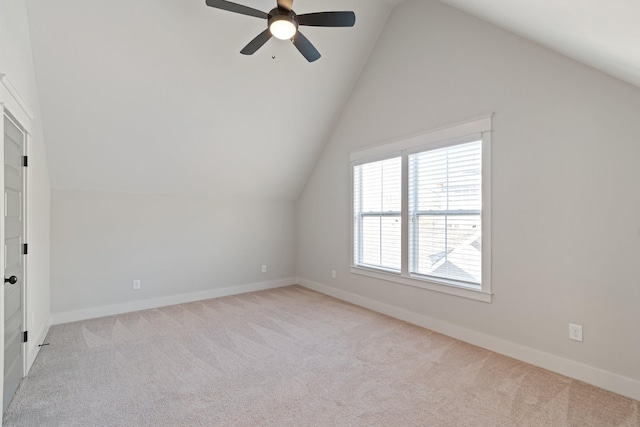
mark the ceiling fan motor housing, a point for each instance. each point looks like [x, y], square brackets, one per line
[281, 14]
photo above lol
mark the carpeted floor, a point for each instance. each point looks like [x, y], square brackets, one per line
[290, 357]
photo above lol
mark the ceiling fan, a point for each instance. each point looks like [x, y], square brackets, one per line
[283, 22]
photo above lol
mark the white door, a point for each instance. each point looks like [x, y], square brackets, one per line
[13, 258]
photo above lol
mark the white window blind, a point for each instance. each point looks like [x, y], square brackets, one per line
[445, 211]
[377, 199]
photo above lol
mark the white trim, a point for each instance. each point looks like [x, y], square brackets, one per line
[15, 107]
[444, 143]
[25, 258]
[445, 287]
[377, 157]
[619, 384]
[14, 100]
[2, 250]
[456, 130]
[127, 307]
[487, 217]
[34, 349]
[404, 222]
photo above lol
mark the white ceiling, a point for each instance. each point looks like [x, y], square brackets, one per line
[604, 34]
[152, 96]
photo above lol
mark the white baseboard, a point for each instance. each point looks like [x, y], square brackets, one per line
[625, 386]
[127, 307]
[33, 347]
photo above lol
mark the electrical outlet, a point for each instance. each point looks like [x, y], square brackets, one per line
[333, 274]
[575, 332]
[136, 284]
[264, 268]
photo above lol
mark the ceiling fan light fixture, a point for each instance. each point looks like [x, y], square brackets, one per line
[283, 27]
[282, 23]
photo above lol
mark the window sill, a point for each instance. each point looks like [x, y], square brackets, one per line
[432, 285]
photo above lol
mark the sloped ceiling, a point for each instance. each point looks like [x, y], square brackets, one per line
[153, 96]
[602, 34]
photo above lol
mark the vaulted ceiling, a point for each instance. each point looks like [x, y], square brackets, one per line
[152, 96]
[602, 34]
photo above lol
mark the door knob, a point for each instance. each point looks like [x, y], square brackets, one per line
[13, 280]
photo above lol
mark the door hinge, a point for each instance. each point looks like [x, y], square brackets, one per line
[25, 336]
[25, 161]
[25, 248]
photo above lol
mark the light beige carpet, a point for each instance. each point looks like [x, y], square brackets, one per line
[290, 357]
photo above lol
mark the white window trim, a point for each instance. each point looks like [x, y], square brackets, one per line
[437, 138]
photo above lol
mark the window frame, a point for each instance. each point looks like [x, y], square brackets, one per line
[355, 254]
[473, 130]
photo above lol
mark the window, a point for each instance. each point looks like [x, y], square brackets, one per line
[377, 213]
[421, 210]
[445, 211]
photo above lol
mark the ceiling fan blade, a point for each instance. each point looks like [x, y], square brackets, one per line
[237, 8]
[285, 4]
[328, 19]
[256, 43]
[305, 47]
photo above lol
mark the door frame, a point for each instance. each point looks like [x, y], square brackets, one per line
[14, 106]
[23, 207]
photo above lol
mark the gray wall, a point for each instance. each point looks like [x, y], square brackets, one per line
[175, 245]
[566, 211]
